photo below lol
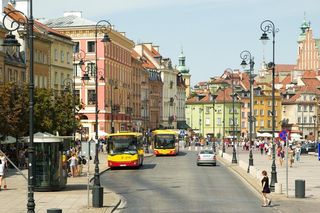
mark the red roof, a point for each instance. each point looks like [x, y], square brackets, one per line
[284, 67]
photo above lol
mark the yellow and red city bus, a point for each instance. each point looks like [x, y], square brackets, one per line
[165, 142]
[125, 149]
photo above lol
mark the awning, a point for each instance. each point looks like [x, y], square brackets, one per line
[182, 125]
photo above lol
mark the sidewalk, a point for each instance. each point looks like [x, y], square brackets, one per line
[72, 199]
[307, 169]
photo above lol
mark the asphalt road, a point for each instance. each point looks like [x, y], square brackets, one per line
[177, 184]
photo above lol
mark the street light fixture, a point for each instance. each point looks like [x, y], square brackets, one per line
[97, 191]
[12, 45]
[234, 96]
[113, 86]
[67, 83]
[246, 57]
[314, 126]
[268, 26]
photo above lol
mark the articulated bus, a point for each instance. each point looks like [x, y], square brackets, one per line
[125, 149]
[165, 142]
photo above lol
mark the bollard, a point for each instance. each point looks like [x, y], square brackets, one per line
[278, 188]
[54, 210]
[300, 188]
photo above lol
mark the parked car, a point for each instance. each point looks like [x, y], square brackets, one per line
[206, 156]
[308, 147]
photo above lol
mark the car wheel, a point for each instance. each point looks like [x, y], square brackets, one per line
[198, 164]
[214, 164]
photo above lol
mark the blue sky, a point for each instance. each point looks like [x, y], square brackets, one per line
[211, 32]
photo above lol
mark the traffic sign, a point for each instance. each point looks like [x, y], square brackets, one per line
[284, 135]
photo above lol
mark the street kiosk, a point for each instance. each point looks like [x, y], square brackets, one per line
[49, 172]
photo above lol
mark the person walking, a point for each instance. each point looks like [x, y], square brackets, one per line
[297, 152]
[3, 170]
[73, 165]
[290, 156]
[265, 189]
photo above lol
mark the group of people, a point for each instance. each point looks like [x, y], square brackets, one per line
[3, 171]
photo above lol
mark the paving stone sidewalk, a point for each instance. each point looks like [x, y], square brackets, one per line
[73, 199]
[307, 169]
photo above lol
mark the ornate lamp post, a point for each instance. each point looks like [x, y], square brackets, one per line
[113, 85]
[224, 121]
[246, 57]
[12, 45]
[97, 191]
[268, 26]
[314, 127]
[69, 85]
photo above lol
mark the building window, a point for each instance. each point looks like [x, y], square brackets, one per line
[207, 121]
[219, 121]
[305, 108]
[261, 112]
[262, 123]
[269, 123]
[91, 47]
[91, 97]
[299, 108]
[62, 56]
[262, 102]
[299, 120]
[76, 47]
[207, 110]
[68, 58]
[269, 113]
[311, 108]
[55, 54]
[255, 112]
[304, 119]
[269, 103]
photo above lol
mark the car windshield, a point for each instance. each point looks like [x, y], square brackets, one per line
[165, 141]
[206, 152]
[123, 145]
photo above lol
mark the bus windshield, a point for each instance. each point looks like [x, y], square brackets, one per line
[124, 144]
[165, 141]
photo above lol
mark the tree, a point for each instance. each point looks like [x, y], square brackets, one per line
[13, 110]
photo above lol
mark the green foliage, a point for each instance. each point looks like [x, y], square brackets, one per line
[52, 111]
[13, 114]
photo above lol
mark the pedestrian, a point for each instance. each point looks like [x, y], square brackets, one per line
[3, 171]
[290, 156]
[280, 153]
[73, 165]
[297, 152]
[265, 189]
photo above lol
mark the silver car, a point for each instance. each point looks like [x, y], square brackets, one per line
[206, 156]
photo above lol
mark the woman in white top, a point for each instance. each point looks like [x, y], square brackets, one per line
[1, 172]
[73, 165]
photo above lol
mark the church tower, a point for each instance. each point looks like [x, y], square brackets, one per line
[185, 72]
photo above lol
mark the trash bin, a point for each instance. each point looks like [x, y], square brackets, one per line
[54, 210]
[300, 186]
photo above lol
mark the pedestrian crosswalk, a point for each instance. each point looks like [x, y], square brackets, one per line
[195, 148]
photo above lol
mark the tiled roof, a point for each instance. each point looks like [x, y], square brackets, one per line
[293, 99]
[309, 74]
[69, 21]
[284, 67]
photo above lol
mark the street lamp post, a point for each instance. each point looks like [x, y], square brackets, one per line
[224, 121]
[268, 26]
[97, 191]
[113, 85]
[12, 45]
[67, 87]
[246, 56]
[234, 154]
[213, 125]
[314, 127]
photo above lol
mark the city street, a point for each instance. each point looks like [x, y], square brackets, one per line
[177, 184]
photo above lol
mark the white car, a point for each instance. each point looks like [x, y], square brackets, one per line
[206, 156]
